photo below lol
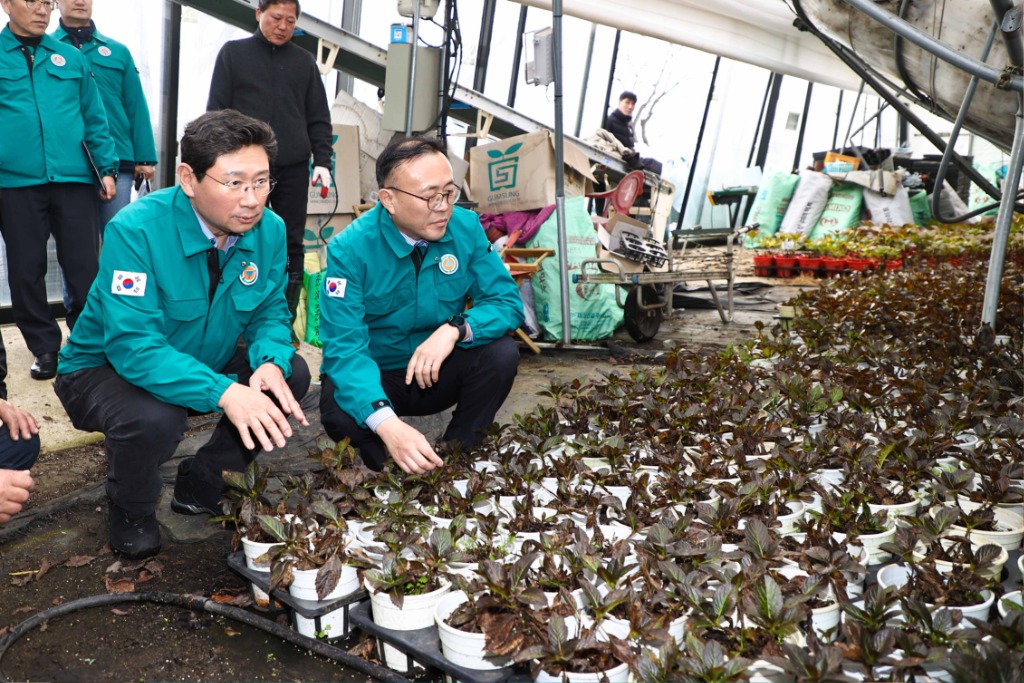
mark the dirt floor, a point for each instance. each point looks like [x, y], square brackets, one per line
[56, 551]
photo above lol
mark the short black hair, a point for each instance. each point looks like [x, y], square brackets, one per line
[402, 150]
[264, 4]
[627, 95]
[220, 132]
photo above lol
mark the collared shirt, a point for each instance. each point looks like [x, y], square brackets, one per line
[230, 242]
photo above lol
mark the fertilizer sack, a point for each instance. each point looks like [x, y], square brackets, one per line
[889, 209]
[770, 205]
[808, 203]
[593, 313]
[842, 210]
[920, 205]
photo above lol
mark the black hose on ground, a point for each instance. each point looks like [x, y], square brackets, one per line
[198, 603]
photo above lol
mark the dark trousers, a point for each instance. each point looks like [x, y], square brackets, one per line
[17, 455]
[288, 200]
[28, 216]
[476, 381]
[143, 432]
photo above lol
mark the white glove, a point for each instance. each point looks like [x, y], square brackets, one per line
[321, 176]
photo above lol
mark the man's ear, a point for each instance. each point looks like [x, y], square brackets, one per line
[385, 197]
[187, 180]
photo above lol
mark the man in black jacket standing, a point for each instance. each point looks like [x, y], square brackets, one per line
[271, 79]
[619, 123]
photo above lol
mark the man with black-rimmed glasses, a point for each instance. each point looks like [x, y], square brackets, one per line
[185, 273]
[397, 337]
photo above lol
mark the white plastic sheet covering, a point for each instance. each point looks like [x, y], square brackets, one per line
[758, 32]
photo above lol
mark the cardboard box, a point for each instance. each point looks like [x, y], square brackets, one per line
[320, 229]
[518, 174]
[345, 167]
[609, 237]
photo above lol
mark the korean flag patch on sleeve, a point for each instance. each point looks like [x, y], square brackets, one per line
[335, 287]
[128, 284]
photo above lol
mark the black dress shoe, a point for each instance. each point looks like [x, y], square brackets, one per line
[44, 367]
[133, 536]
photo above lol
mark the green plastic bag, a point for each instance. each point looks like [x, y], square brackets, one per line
[770, 206]
[920, 205]
[594, 314]
[842, 210]
[993, 172]
[314, 284]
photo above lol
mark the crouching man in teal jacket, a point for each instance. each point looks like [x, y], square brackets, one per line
[184, 274]
[397, 338]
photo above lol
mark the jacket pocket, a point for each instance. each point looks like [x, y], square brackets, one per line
[452, 288]
[64, 73]
[184, 310]
[246, 300]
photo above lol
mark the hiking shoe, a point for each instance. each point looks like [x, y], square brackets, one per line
[133, 536]
[184, 501]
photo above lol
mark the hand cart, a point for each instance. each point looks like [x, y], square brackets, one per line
[649, 293]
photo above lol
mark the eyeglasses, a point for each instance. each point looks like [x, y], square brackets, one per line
[260, 187]
[436, 202]
[48, 5]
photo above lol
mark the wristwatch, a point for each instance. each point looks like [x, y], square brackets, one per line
[459, 323]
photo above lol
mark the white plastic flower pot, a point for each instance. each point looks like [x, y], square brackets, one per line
[894, 512]
[417, 612]
[1008, 534]
[896, 575]
[463, 648]
[619, 674]
[967, 505]
[825, 621]
[257, 560]
[332, 624]
[872, 544]
[1013, 597]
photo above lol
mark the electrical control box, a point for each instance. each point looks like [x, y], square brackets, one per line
[540, 62]
[426, 96]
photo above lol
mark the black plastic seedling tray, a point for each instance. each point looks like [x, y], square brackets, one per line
[310, 609]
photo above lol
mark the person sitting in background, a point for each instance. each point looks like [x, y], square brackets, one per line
[619, 123]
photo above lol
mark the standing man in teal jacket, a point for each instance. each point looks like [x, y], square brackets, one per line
[397, 338]
[51, 122]
[125, 102]
[185, 273]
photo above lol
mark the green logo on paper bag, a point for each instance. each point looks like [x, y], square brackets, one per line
[504, 169]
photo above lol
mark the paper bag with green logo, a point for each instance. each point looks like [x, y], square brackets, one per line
[518, 174]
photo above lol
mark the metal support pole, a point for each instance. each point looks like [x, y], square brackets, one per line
[517, 57]
[760, 118]
[1002, 232]
[839, 116]
[169, 95]
[412, 67]
[803, 125]
[700, 141]
[1012, 36]
[586, 78]
[483, 54]
[611, 78]
[853, 113]
[351, 13]
[769, 122]
[563, 242]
